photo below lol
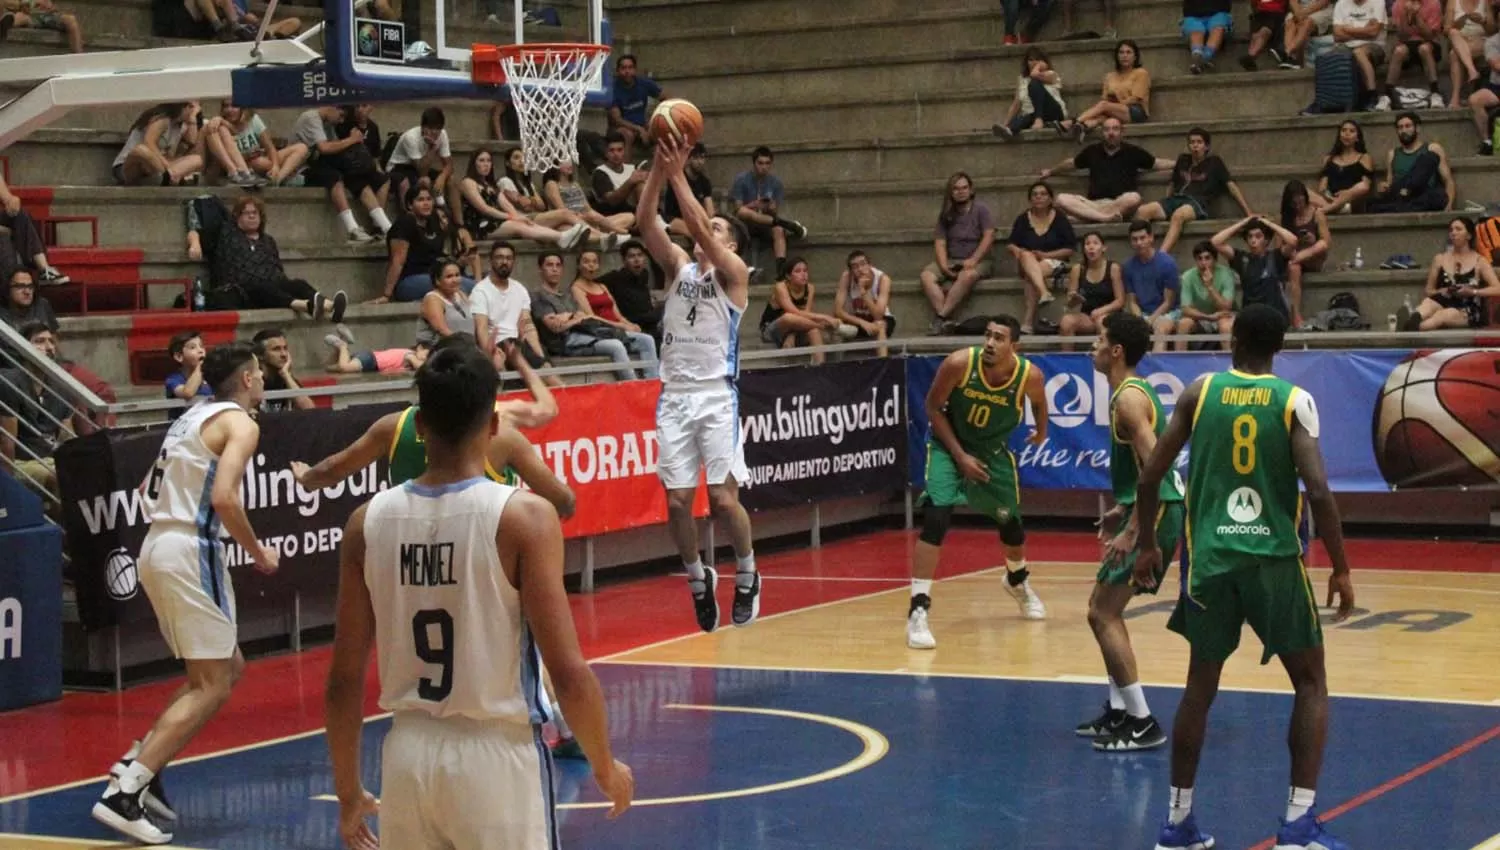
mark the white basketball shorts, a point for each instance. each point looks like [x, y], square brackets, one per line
[460, 784]
[699, 428]
[184, 576]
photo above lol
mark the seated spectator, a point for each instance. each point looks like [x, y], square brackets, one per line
[502, 314]
[164, 147]
[569, 331]
[1199, 179]
[630, 287]
[1458, 282]
[42, 15]
[789, 320]
[1041, 240]
[1095, 289]
[1308, 248]
[617, 183]
[244, 263]
[1069, 34]
[1039, 99]
[23, 304]
[339, 163]
[1469, 22]
[1114, 166]
[283, 26]
[25, 240]
[415, 243]
[1037, 12]
[1207, 297]
[361, 117]
[758, 197]
[1126, 96]
[1346, 178]
[1359, 25]
[488, 215]
[517, 188]
[1262, 271]
[87, 421]
[962, 240]
[1417, 177]
[1152, 284]
[863, 300]
[446, 309]
[238, 138]
[696, 172]
[424, 152]
[275, 356]
[1418, 25]
[1267, 32]
[222, 154]
[593, 297]
[562, 192]
[1206, 24]
[1487, 97]
[629, 106]
[386, 361]
[1309, 19]
[187, 382]
[35, 420]
[201, 20]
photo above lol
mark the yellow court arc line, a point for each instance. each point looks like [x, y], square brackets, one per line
[1492, 844]
[875, 748]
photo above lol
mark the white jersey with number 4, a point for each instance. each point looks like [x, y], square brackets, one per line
[449, 636]
[180, 486]
[700, 331]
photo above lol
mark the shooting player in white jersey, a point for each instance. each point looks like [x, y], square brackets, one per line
[697, 418]
[192, 494]
[456, 581]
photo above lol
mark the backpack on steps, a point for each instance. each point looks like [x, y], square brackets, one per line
[1336, 82]
[1487, 238]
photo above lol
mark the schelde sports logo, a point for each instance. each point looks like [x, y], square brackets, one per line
[1244, 508]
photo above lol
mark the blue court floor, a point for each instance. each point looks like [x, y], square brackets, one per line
[925, 762]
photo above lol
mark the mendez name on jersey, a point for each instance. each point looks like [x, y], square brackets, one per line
[427, 565]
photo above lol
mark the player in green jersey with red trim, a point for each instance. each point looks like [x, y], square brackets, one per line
[975, 402]
[1253, 437]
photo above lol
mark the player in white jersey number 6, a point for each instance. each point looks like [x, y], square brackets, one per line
[456, 581]
[697, 418]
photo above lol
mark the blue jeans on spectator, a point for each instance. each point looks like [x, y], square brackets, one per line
[1041, 10]
[1047, 109]
[639, 344]
[414, 286]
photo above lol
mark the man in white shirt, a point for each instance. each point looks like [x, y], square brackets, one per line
[617, 183]
[1360, 26]
[423, 151]
[502, 311]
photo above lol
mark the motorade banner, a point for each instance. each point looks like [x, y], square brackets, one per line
[813, 433]
[1389, 418]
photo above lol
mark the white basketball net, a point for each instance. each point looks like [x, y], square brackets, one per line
[547, 88]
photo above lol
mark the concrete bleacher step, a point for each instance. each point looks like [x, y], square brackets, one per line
[647, 16]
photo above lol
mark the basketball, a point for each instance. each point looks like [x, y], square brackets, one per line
[120, 575]
[1434, 423]
[679, 119]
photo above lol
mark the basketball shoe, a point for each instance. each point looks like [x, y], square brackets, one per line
[1307, 833]
[1135, 733]
[1183, 836]
[154, 796]
[125, 814]
[1031, 604]
[918, 634]
[705, 600]
[1104, 724]
[746, 605]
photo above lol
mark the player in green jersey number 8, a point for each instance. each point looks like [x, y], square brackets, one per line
[1253, 437]
[977, 399]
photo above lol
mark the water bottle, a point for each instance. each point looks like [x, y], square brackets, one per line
[199, 301]
[1359, 258]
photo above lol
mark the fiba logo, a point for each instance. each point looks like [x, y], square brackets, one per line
[121, 577]
[1435, 424]
[1070, 398]
[1244, 505]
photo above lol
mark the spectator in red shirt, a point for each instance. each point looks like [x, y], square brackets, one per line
[1267, 32]
[1418, 25]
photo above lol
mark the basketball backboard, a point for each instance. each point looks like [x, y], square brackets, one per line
[422, 46]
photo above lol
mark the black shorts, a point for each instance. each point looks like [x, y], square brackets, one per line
[890, 329]
[326, 173]
[1272, 21]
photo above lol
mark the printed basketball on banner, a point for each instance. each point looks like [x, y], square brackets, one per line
[1437, 421]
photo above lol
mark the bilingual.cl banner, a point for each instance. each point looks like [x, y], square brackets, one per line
[1390, 419]
[814, 433]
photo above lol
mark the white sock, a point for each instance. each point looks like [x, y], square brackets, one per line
[135, 750]
[1135, 700]
[1116, 701]
[346, 218]
[135, 777]
[377, 216]
[1182, 805]
[563, 730]
[921, 586]
[695, 570]
[1299, 802]
[744, 572]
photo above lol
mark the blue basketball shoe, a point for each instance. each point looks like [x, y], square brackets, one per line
[1184, 836]
[1307, 833]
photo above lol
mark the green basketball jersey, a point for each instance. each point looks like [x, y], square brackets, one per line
[408, 457]
[983, 416]
[1124, 466]
[1243, 498]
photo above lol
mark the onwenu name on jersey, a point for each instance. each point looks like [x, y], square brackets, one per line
[427, 564]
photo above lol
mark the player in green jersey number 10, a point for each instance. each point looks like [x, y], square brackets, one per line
[1253, 437]
[977, 399]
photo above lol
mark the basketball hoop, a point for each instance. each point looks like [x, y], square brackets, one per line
[548, 83]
